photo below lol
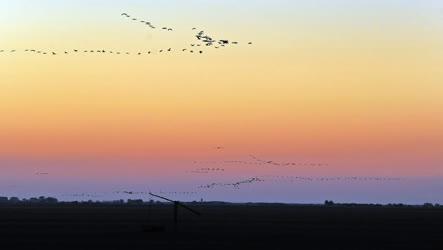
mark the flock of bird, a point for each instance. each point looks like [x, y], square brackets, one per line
[275, 163]
[235, 184]
[274, 178]
[41, 173]
[131, 192]
[258, 179]
[259, 163]
[201, 36]
[202, 39]
[147, 23]
[206, 170]
[100, 52]
[84, 195]
[271, 178]
[178, 193]
[238, 184]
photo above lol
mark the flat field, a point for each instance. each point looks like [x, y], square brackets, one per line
[220, 227]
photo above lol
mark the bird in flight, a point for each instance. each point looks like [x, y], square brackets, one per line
[41, 173]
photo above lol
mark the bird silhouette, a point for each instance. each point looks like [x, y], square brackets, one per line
[41, 173]
[272, 178]
[235, 184]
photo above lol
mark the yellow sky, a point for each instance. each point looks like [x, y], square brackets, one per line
[305, 85]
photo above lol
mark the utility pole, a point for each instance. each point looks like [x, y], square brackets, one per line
[176, 205]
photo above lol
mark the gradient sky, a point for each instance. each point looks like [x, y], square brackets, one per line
[351, 83]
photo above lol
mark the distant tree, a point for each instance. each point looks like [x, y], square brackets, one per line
[428, 205]
[329, 203]
[135, 202]
[14, 200]
[51, 200]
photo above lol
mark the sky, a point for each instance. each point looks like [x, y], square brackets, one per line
[352, 87]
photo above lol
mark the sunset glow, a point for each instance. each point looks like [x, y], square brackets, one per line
[354, 85]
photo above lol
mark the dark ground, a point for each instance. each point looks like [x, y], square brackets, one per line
[221, 227]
